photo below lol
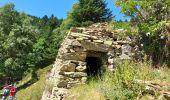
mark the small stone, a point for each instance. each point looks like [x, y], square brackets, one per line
[123, 42]
[69, 67]
[83, 79]
[74, 29]
[167, 95]
[98, 41]
[81, 68]
[111, 60]
[111, 67]
[80, 39]
[94, 37]
[71, 50]
[82, 63]
[69, 74]
[69, 86]
[75, 43]
[115, 43]
[124, 56]
[108, 42]
[118, 46]
[111, 53]
[61, 73]
[78, 49]
[79, 74]
[62, 84]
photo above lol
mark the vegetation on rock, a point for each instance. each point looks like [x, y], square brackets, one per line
[152, 19]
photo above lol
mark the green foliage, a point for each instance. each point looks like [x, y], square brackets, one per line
[126, 26]
[26, 42]
[152, 19]
[129, 7]
[17, 38]
[86, 12]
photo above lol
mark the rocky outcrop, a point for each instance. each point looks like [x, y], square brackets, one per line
[96, 41]
[154, 88]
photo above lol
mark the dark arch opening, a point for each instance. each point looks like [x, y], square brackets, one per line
[94, 66]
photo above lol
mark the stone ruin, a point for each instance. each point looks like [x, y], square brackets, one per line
[84, 52]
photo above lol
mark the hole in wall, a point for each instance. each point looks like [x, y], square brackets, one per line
[94, 65]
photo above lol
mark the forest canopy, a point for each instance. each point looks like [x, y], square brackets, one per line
[26, 42]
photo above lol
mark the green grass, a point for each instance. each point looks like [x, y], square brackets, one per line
[34, 91]
[120, 85]
[88, 91]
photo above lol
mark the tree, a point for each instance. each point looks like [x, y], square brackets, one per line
[7, 17]
[17, 38]
[27, 43]
[153, 20]
[86, 12]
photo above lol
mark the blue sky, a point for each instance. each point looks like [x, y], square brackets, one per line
[57, 7]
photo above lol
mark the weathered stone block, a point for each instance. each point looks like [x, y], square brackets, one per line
[78, 35]
[68, 67]
[79, 74]
[62, 84]
[89, 46]
[74, 29]
[68, 74]
[79, 49]
[75, 74]
[81, 56]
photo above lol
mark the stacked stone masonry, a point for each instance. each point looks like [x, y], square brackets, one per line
[70, 67]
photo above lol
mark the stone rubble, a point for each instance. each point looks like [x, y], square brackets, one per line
[154, 88]
[94, 41]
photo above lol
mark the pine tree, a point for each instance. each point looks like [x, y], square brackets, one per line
[86, 12]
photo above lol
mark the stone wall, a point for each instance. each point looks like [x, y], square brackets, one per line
[70, 67]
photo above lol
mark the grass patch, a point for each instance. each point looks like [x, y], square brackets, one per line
[121, 85]
[34, 91]
[88, 91]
